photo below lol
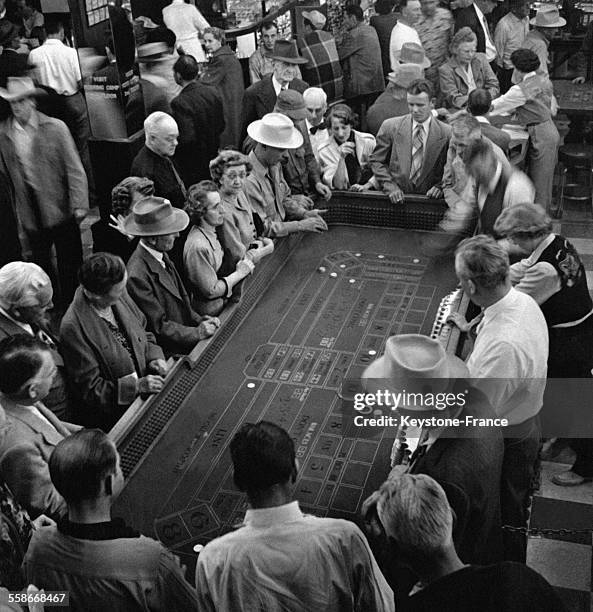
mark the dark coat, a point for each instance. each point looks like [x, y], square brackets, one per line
[467, 17]
[359, 51]
[95, 360]
[150, 165]
[260, 99]
[469, 470]
[199, 114]
[225, 73]
[383, 25]
[106, 239]
[385, 107]
[392, 158]
[12, 64]
[164, 301]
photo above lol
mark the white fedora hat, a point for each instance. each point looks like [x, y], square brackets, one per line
[416, 364]
[275, 130]
[548, 16]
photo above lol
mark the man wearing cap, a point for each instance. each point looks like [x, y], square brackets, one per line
[474, 17]
[301, 168]
[154, 86]
[319, 48]
[547, 22]
[509, 35]
[48, 183]
[154, 283]
[509, 364]
[404, 31]
[155, 158]
[434, 29]
[12, 63]
[56, 66]
[260, 97]
[411, 150]
[466, 460]
[316, 107]
[393, 101]
[359, 54]
[265, 187]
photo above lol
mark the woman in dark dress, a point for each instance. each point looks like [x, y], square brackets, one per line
[225, 73]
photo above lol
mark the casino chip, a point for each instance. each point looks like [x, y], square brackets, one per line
[321, 269]
[416, 260]
[333, 274]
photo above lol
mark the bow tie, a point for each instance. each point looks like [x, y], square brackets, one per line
[314, 129]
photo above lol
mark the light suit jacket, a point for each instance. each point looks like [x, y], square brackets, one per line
[454, 83]
[392, 158]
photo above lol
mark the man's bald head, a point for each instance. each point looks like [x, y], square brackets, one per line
[161, 133]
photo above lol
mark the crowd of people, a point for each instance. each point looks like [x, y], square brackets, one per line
[410, 103]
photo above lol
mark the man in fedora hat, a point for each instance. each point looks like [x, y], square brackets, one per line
[260, 97]
[393, 101]
[547, 22]
[319, 47]
[260, 61]
[508, 363]
[12, 63]
[56, 66]
[154, 283]
[48, 183]
[464, 459]
[265, 187]
[154, 86]
[360, 54]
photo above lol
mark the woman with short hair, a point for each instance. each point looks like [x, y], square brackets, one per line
[225, 73]
[345, 154]
[203, 254]
[465, 71]
[554, 276]
[109, 355]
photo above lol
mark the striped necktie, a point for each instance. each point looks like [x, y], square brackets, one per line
[417, 153]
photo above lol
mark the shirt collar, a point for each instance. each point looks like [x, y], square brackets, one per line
[54, 41]
[541, 247]
[492, 184]
[32, 124]
[425, 125]
[479, 12]
[268, 517]
[482, 119]
[156, 254]
[277, 85]
[500, 306]
[529, 75]
[25, 326]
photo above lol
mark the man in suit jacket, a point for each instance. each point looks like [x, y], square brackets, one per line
[474, 17]
[260, 98]
[200, 119]
[359, 53]
[411, 150]
[30, 431]
[154, 283]
[48, 181]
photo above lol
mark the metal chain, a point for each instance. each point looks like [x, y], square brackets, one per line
[536, 531]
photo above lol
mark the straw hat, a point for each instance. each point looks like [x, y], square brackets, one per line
[405, 74]
[548, 16]
[286, 51]
[275, 130]
[18, 88]
[412, 53]
[316, 18]
[154, 216]
[415, 363]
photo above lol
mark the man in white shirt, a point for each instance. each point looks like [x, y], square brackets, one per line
[316, 105]
[509, 364]
[509, 35]
[30, 430]
[56, 66]
[281, 559]
[403, 31]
